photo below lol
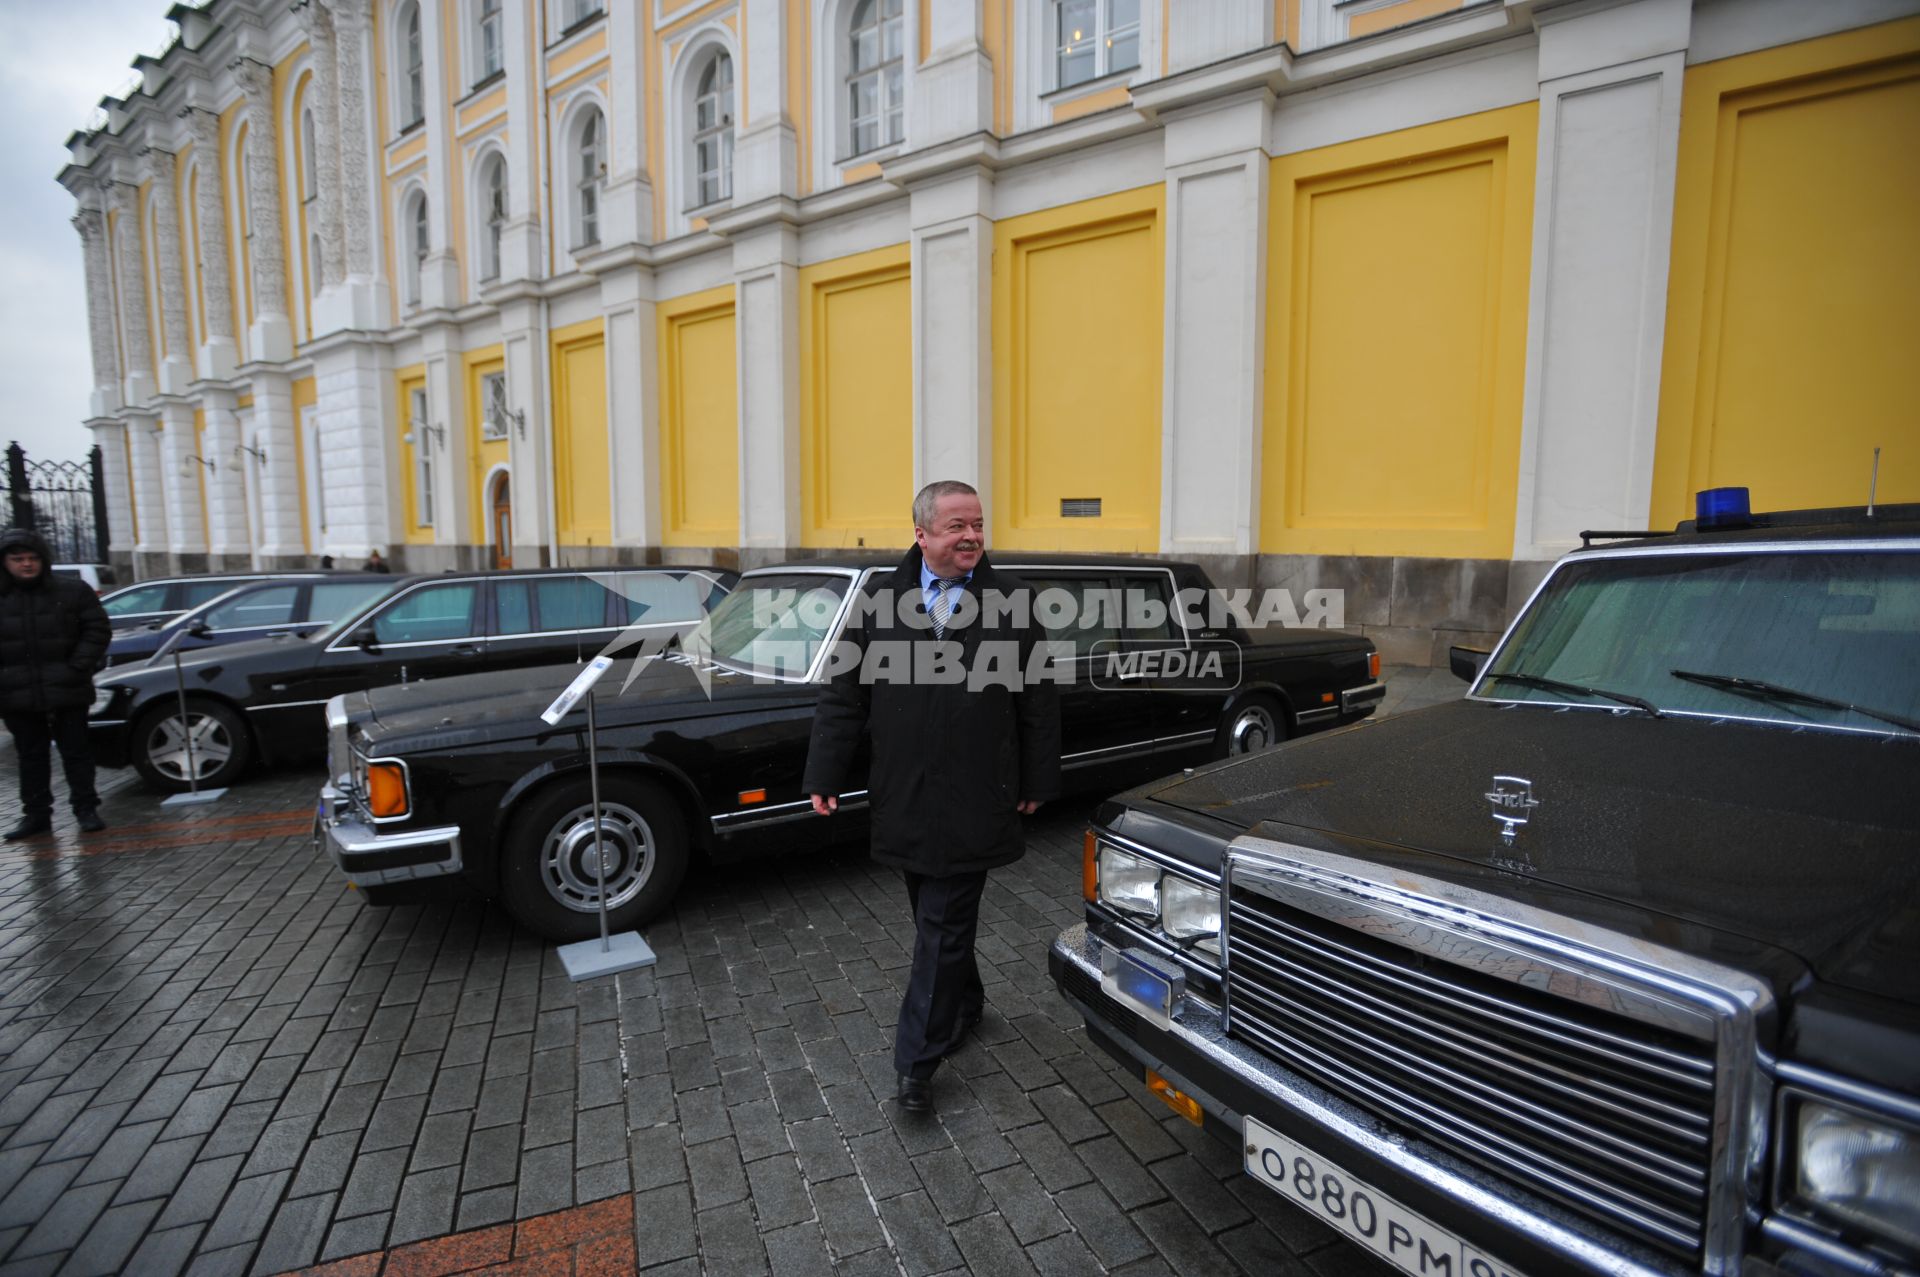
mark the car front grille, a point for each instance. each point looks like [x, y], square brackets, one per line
[1604, 1113]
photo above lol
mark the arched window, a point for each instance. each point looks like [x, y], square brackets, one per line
[419, 243]
[876, 94]
[309, 167]
[589, 173]
[243, 218]
[493, 193]
[413, 74]
[489, 56]
[196, 284]
[309, 203]
[713, 132]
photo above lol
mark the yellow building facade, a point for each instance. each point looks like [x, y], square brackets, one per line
[1395, 297]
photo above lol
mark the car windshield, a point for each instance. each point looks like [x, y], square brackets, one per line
[772, 624]
[1820, 638]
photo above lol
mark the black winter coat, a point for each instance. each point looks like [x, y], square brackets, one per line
[949, 761]
[53, 636]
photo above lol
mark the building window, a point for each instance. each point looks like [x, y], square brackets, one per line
[420, 244]
[493, 186]
[491, 57]
[574, 12]
[309, 169]
[414, 76]
[422, 460]
[713, 132]
[876, 97]
[589, 174]
[493, 406]
[309, 201]
[1094, 38]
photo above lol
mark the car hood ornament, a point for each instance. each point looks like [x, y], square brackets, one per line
[1513, 804]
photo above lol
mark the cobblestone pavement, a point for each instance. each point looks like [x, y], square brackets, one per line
[215, 1058]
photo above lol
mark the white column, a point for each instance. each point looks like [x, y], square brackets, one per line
[176, 369]
[359, 449]
[218, 353]
[106, 355]
[1207, 33]
[278, 484]
[952, 91]
[270, 338]
[331, 269]
[150, 498]
[523, 336]
[627, 209]
[952, 272]
[228, 537]
[180, 476]
[440, 274]
[1610, 90]
[520, 255]
[633, 419]
[134, 335]
[111, 438]
[765, 149]
[766, 280]
[366, 285]
[447, 409]
[1215, 334]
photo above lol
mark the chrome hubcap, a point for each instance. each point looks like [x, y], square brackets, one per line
[567, 863]
[1252, 730]
[167, 746]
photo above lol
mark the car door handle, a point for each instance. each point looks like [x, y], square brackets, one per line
[466, 649]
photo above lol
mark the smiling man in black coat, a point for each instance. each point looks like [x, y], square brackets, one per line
[53, 636]
[957, 756]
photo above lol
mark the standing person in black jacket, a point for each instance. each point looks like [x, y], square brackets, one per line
[955, 762]
[53, 636]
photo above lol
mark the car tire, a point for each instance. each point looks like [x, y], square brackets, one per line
[222, 746]
[546, 870]
[1254, 723]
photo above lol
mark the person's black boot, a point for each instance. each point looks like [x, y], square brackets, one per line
[916, 1094]
[31, 827]
[89, 821]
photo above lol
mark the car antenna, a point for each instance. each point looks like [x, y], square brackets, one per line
[1873, 482]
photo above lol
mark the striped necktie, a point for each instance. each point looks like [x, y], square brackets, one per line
[944, 588]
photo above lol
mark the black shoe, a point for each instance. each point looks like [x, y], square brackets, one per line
[89, 821]
[31, 827]
[916, 1094]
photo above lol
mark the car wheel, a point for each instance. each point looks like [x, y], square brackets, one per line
[547, 876]
[1255, 724]
[220, 741]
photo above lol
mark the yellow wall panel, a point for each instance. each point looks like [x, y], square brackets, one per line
[306, 393]
[856, 401]
[407, 381]
[699, 421]
[485, 453]
[1795, 284]
[581, 458]
[1077, 352]
[1396, 330]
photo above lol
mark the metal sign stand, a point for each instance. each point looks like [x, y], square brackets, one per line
[194, 794]
[624, 951]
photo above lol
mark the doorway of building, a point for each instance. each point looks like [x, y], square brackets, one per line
[500, 511]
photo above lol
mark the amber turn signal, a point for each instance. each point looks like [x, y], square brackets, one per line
[1089, 867]
[1373, 665]
[386, 789]
[1179, 1101]
[752, 796]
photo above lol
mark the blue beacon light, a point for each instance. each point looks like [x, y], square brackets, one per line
[1722, 508]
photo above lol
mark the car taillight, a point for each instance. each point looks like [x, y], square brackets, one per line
[1089, 867]
[1373, 665]
[386, 789]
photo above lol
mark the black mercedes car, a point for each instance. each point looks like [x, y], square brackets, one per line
[1612, 966]
[264, 699]
[459, 788]
[253, 610]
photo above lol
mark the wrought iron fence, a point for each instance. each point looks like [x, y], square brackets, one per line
[64, 501]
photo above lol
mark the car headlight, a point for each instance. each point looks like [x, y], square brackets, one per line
[1190, 912]
[1859, 1169]
[1129, 883]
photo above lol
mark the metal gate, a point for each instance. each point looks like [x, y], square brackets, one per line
[64, 501]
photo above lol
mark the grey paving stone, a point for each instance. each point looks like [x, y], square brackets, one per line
[664, 1225]
[239, 1128]
[847, 1217]
[657, 1158]
[426, 1205]
[919, 1237]
[1182, 1242]
[1024, 1204]
[546, 1181]
[607, 1179]
[65, 1222]
[493, 1157]
[374, 1182]
[600, 1135]
[1067, 1256]
[1102, 1225]
[953, 1185]
[778, 1191]
[119, 1154]
[488, 1206]
[1199, 1192]
[988, 1246]
[717, 1174]
[110, 1243]
[327, 1163]
[729, 1243]
[246, 1213]
[198, 1196]
[293, 1238]
[797, 1251]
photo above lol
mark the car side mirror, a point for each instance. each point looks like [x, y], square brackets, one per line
[1467, 662]
[365, 639]
[200, 629]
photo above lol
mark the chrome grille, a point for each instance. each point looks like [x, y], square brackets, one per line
[1602, 1112]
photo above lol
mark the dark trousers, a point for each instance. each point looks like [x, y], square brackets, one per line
[944, 990]
[33, 734]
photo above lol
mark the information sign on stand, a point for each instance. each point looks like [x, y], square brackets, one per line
[585, 959]
[194, 794]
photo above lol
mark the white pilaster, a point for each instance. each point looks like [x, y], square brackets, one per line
[633, 419]
[520, 245]
[368, 301]
[270, 338]
[440, 273]
[106, 355]
[331, 269]
[148, 490]
[134, 335]
[1215, 332]
[1610, 90]
[218, 352]
[951, 249]
[176, 368]
[766, 279]
[181, 467]
[952, 91]
[274, 431]
[228, 537]
[360, 450]
[1207, 33]
[627, 216]
[111, 438]
[452, 459]
[766, 149]
[523, 340]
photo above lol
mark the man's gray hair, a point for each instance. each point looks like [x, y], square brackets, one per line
[929, 498]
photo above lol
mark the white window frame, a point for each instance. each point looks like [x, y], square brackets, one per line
[493, 406]
[489, 17]
[569, 14]
[418, 413]
[890, 125]
[414, 214]
[410, 78]
[1101, 36]
[587, 176]
[1036, 64]
[833, 146]
[721, 132]
[490, 223]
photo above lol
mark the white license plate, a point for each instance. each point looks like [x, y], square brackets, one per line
[1412, 1243]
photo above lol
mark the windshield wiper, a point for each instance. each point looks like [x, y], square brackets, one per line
[1764, 690]
[1556, 685]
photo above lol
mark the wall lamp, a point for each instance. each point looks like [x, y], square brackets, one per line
[437, 434]
[213, 467]
[258, 454]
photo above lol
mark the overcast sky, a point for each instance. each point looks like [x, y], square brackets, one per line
[57, 60]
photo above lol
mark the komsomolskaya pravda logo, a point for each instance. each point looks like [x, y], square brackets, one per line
[1513, 804]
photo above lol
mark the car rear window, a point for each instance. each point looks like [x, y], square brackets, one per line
[141, 598]
[194, 593]
[270, 606]
[334, 599]
[432, 613]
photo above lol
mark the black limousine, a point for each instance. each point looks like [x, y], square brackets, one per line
[459, 789]
[264, 699]
[1612, 966]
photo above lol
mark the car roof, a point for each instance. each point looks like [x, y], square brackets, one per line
[513, 574]
[1837, 523]
[1026, 559]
